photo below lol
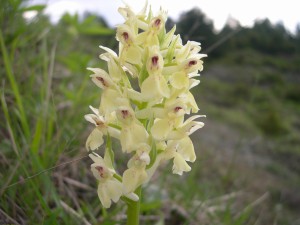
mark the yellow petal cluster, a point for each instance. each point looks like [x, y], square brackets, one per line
[144, 103]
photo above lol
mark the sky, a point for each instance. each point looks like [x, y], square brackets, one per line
[245, 11]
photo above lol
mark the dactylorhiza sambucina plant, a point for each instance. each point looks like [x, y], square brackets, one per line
[145, 97]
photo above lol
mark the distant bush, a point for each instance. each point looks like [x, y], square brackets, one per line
[270, 78]
[293, 93]
[270, 122]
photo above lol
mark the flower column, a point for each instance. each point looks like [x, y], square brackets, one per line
[149, 119]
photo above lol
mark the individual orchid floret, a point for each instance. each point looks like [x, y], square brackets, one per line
[176, 108]
[95, 139]
[136, 174]
[175, 128]
[150, 36]
[101, 78]
[181, 151]
[181, 78]
[155, 88]
[157, 23]
[185, 148]
[133, 133]
[191, 65]
[125, 35]
[186, 128]
[111, 97]
[155, 62]
[129, 51]
[109, 188]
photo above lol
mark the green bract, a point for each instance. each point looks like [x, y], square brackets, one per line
[149, 121]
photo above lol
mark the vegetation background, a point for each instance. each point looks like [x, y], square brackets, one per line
[248, 165]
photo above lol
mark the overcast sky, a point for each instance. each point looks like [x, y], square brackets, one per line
[246, 11]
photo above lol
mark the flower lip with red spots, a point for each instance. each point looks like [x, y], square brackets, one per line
[100, 169]
[125, 36]
[103, 82]
[125, 113]
[177, 108]
[154, 60]
[192, 63]
[157, 22]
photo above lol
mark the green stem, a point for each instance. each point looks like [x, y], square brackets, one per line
[133, 210]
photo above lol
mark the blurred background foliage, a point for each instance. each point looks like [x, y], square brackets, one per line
[248, 164]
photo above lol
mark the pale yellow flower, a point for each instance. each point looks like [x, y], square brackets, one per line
[133, 132]
[101, 78]
[186, 128]
[136, 174]
[150, 36]
[181, 151]
[180, 165]
[181, 78]
[155, 61]
[111, 100]
[95, 139]
[129, 51]
[154, 88]
[190, 49]
[109, 188]
[111, 97]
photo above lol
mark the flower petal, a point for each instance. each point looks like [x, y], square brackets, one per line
[132, 136]
[180, 165]
[186, 149]
[155, 87]
[179, 80]
[133, 178]
[95, 140]
[161, 129]
[101, 78]
[132, 54]
[115, 189]
[103, 195]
